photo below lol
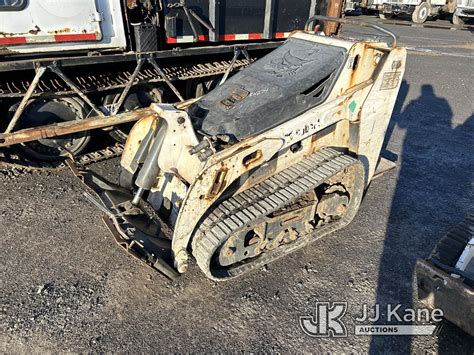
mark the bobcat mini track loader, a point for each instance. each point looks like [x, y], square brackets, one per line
[275, 158]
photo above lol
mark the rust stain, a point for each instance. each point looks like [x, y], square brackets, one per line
[252, 158]
[33, 31]
[218, 184]
[131, 4]
[61, 30]
[354, 72]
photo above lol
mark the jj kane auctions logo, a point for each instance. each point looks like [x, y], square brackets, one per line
[328, 320]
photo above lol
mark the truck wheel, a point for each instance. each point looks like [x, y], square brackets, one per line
[458, 21]
[421, 13]
[48, 111]
[385, 15]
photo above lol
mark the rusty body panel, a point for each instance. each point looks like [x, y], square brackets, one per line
[438, 289]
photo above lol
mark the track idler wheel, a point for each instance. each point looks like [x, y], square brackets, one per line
[47, 111]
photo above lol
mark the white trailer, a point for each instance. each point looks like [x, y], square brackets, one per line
[60, 25]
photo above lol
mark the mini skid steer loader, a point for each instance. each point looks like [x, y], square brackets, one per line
[274, 158]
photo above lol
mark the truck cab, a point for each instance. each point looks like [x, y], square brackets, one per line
[419, 10]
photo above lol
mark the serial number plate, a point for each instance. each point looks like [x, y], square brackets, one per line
[390, 80]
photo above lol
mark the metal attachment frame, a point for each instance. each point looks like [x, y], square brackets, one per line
[100, 111]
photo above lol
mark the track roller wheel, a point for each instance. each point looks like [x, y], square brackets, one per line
[47, 111]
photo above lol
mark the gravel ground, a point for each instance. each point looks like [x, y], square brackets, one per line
[66, 286]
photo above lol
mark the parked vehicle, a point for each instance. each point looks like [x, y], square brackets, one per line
[421, 10]
[464, 10]
[352, 5]
[275, 158]
[370, 7]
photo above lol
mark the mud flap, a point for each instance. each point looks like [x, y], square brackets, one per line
[137, 229]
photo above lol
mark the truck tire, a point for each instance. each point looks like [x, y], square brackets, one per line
[458, 21]
[44, 111]
[421, 13]
[385, 15]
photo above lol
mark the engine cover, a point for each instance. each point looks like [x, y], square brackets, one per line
[293, 78]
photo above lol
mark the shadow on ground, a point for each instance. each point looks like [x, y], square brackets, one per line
[434, 173]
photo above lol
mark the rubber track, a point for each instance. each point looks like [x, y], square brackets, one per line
[15, 164]
[450, 247]
[252, 205]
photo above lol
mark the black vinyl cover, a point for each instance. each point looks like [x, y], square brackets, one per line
[293, 78]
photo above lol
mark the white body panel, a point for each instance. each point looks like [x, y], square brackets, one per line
[466, 257]
[403, 2]
[438, 2]
[58, 25]
[468, 4]
[415, 2]
[462, 6]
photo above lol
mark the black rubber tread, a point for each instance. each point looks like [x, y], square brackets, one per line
[14, 164]
[450, 247]
[252, 205]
